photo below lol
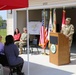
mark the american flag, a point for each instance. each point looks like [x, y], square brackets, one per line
[43, 36]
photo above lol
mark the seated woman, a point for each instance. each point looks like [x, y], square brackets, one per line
[17, 35]
[2, 55]
[12, 53]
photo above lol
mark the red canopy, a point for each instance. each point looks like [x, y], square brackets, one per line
[13, 4]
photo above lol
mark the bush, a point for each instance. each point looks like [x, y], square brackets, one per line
[3, 33]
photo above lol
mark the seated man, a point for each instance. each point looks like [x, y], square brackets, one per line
[23, 39]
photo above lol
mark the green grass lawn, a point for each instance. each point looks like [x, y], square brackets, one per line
[3, 33]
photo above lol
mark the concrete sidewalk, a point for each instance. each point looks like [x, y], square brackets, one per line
[39, 65]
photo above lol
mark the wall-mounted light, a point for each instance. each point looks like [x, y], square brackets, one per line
[9, 11]
[45, 3]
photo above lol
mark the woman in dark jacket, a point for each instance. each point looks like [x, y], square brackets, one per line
[12, 52]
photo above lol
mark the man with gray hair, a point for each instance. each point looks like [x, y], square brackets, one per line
[68, 30]
[23, 39]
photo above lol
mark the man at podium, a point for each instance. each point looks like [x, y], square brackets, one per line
[68, 30]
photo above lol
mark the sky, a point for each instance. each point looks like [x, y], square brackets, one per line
[3, 14]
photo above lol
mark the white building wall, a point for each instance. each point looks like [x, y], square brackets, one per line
[11, 22]
[21, 20]
[49, 2]
[35, 4]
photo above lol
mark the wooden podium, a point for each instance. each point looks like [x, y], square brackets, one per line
[59, 49]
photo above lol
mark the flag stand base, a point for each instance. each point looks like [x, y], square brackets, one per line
[45, 52]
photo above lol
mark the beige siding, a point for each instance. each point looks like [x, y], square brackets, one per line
[49, 2]
[35, 15]
[9, 24]
[21, 20]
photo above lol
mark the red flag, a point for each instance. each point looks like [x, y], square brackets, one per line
[63, 18]
[43, 36]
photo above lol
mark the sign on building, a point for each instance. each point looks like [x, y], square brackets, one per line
[34, 27]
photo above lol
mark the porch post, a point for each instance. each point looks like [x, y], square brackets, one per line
[28, 38]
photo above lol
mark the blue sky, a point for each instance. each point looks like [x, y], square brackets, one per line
[3, 14]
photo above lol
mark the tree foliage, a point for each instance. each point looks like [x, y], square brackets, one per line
[1, 21]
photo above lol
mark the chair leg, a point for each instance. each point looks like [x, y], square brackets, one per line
[19, 70]
[24, 49]
[31, 50]
[11, 73]
[37, 49]
[21, 51]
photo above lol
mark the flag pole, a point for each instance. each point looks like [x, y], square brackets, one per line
[50, 27]
[43, 33]
[54, 20]
[44, 26]
[45, 23]
[43, 16]
[64, 7]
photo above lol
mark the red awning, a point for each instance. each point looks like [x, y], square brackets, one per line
[13, 4]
